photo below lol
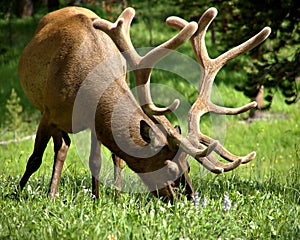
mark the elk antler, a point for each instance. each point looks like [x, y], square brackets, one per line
[209, 69]
[142, 66]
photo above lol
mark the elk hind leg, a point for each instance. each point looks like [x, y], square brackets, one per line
[95, 164]
[34, 162]
[61, 145]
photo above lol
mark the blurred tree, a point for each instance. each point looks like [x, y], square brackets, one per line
[6, 8]
[276, 64]
[25, 8]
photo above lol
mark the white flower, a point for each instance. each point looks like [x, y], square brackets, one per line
[204, 202]
[29, 188]
[196, 200]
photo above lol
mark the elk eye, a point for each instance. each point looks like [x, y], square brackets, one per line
[145, 131]
[157, 140]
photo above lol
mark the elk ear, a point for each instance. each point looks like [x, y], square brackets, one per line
[178, 129]
[145, 131]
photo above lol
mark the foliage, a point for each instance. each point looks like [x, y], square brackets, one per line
[14, 110]
[10, 51]
[275, 64]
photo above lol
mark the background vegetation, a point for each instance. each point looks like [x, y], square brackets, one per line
[264, 195]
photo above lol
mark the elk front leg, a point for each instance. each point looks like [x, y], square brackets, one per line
[184, 180]
[95, 164]
[61, 145]
[34, 162]
[118, 167]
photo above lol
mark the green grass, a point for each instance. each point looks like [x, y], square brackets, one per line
[265, 194]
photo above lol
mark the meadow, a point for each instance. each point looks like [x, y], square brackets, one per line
[264, 194]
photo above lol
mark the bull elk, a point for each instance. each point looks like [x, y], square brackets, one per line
[74, 72]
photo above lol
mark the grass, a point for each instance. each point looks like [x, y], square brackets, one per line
[260, 210]
[264, 194]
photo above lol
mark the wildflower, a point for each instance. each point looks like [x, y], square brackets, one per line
[29, 188]
[204, 202]
[111, 237]
[196, 200]
[226, 203]
[85, 189]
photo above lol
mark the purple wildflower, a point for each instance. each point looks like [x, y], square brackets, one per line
[226, 203]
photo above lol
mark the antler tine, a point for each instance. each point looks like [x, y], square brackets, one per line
[209, 165]
[220, 61]
[188, 147]
[142, 66]
[230, 111]
[242, 48]
[198, 40]
[128, 15]
[224, 153]
[209, 68]
[225, 166]
[150, 59]
[162, 50]
[119, 33]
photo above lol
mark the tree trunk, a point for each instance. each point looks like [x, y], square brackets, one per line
[25, 8]
[256, 112]
[150, 23]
